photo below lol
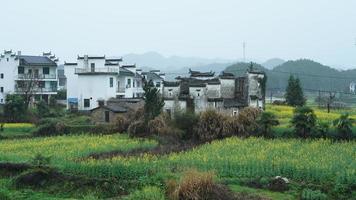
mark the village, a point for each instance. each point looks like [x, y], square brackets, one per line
[100, 84]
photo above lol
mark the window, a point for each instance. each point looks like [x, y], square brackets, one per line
[1, 89]
[138, 84]
[1, 75]
[41, 84]
[158, 84]
[111, 82]
[45, 70]
[20, 70]
[7, 59]
[133, 83]
[107, 116]
[92, 67]
[86, 103]
[128, 83]
[2, 100]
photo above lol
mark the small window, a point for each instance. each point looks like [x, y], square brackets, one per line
[1, 100]
[46, 70]
[158, 84]
[107, 116]
[111, 82]
[92, 67]
[20, 70]
[86, 103]
[1, 89]
[7, 59]
[1, 75]
[133, 83]
[41, 84]
[128, 83]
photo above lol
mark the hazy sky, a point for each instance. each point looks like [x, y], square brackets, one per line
[324, 30]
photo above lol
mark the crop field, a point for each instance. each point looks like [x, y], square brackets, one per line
[315, 161]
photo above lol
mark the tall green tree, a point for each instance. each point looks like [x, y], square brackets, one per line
[294, 92]
[15, 108]
[153, 101]
[304, 121]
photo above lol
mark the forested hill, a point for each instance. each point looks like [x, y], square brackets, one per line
[313, 75]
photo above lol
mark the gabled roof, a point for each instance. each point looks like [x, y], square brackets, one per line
[66, 63]
[126, 72]
[113, 108]
[36, 60]
[114, 59]
[91, 57]
[234, 103]
[151, 76]
[171, 83]
[201, 74]
[128, 66]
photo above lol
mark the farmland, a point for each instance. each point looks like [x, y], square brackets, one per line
[311, 166]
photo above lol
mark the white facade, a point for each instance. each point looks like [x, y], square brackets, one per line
[17, 70]
[93, 80]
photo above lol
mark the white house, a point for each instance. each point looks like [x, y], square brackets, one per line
[93, 80]
[21, 74]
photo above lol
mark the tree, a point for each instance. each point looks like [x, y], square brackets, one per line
[14, 108]
[294, 93]
[344, 126]
[265, 122]
[304, 121]
[29, 87]
[153, 101]
[42, 109]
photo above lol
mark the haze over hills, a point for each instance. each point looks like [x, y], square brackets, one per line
[313, 75]
[272, 63]
[154, 60]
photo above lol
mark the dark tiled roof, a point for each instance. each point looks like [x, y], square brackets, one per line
[152, 76]
[91, 57]
[214, 81]
[171, 83]
[111, 63]
[128, 66]
[65, 63]
[113, 108]
[36, 60]
[201, 74]
[126, 72]
[114, 59]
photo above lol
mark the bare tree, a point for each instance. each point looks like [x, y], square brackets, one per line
[28, 87]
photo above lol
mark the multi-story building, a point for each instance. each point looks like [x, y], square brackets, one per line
[225, 93]
[93, 80]
[34, 76]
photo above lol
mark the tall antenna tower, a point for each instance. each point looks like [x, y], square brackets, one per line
[244, 50]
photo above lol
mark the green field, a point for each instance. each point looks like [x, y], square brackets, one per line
[320, 165]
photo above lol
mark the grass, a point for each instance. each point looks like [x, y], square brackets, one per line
[262, 192]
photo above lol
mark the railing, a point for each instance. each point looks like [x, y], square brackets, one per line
[96, 70]
[36, 76]
[120, 90]
[35, 90]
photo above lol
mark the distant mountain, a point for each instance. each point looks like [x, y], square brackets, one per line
[154, 60]
[313, 75]
[272, 63]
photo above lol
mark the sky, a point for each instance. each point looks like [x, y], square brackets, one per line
[321, 30]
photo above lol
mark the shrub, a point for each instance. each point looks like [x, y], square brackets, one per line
[157, 126]
[231, 126]
[210, 126]
[304, 121]
[308, 194]
[15, 108]
[46, 128]
[344, 126]
[247, 120]
[42, 109]
[198, 186]
[121, 124]
[147, 193]
[265, 123]
[185, 121]
[137, 128]
[40, 161]
[321, 130]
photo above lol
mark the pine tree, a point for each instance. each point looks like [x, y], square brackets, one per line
[153, 101]
[294, 93]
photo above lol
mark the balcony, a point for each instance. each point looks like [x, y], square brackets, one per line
[35, 90]
[120, 90]
[105, 70]
[36, 76]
